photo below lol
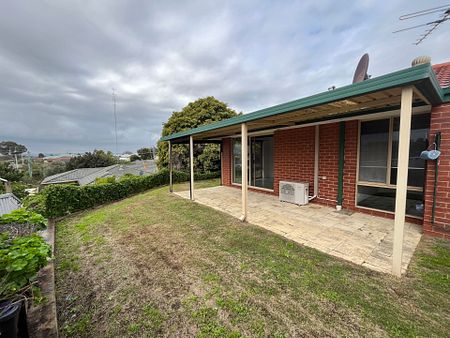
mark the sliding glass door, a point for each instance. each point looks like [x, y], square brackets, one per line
[260, 162]
[261, 165]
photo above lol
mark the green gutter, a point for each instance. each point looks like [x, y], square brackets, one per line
[340, 196]
[408, 76]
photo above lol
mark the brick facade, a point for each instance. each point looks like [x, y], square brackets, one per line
[328, 163]
[294, 160]
[440, 121]
[226, 161]
[350, 164]
[294, 156]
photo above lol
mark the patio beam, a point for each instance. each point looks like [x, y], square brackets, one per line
[170, 168]
[402, 178]
[191, 165]
[244, 167]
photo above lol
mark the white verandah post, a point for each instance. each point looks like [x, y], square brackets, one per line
[244, 167]
[191, 165]
[402, 178]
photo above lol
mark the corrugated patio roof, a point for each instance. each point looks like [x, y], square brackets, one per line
[422, 77]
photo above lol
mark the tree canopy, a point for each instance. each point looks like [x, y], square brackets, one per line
[96, 159]
[200, 112]
[9, 173]
[11, 148]
[145, 153]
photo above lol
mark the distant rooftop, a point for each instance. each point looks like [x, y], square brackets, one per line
[9, 202]
[84, 176]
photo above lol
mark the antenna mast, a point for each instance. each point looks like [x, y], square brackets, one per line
[444, 15]
[115, 117]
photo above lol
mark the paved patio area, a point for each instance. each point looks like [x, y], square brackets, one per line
[362, 239]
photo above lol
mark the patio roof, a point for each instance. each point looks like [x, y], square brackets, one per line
[365, 97]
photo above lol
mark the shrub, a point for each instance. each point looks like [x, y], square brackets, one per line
[23, 216]
[60, 200]
[35, 203]
[105, 180]
[20, 261]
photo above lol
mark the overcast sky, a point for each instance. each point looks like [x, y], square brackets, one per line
[59, 60]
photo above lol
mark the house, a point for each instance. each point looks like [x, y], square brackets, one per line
[358, 147]
[9, 202]
[85, 176]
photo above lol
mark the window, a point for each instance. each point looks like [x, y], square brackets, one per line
[373, 151]
[418, 142]
[378, 164]
[237, 162]
[261, 168]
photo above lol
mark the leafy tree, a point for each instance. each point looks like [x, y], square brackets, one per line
[145, 153]
[10, 147]
[41, 155]
[134, 158]
[96, 159]
[9, 173]
[203, 111]
[53, 168]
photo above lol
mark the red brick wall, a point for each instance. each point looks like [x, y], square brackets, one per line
[350, 164]
[440, 121]
[294, 156]
[226, 161]
[328, 163]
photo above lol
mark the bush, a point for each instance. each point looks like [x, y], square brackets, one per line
[20, 261]
[23, 216]
[60, 200]
[105, 180]
[35, 203]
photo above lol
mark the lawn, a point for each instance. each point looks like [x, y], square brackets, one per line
[158, 265]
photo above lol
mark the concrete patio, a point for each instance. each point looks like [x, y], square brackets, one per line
[359, 238]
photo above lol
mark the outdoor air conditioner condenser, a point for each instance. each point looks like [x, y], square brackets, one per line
[294, 192]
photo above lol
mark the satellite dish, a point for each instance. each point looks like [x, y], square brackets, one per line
[361, 69]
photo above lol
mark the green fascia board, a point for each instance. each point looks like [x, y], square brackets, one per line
[446, 94]
[408, 76]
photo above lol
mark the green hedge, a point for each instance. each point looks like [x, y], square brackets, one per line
[60, 200]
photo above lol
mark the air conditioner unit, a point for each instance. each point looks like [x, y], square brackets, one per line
[294, 192]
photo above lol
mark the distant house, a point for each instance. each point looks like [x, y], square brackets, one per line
[125, 157]
[85, 176]
[9, 202]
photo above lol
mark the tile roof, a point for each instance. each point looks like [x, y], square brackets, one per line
[81, 176]
[442, 72]
[8, 203]
[84, 176]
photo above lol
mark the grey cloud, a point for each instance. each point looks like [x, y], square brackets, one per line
[60, 60]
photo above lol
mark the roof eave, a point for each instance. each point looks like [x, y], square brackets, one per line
[422, 76]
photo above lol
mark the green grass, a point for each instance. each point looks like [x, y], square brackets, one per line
[158, 265]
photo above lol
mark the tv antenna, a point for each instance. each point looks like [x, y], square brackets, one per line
[443, 15]
[114, 97]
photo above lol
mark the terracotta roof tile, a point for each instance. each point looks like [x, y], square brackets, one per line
[442, 71]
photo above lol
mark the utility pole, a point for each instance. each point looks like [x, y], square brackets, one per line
[115, 118]
[30, 165]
